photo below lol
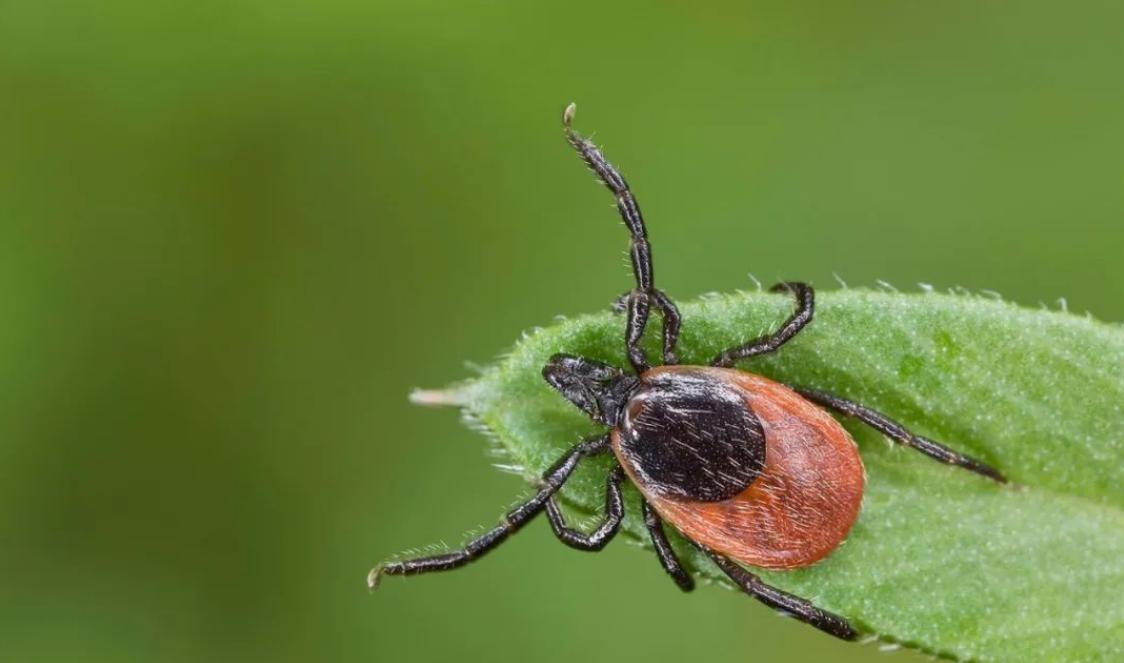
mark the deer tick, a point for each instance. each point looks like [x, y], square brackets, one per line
[749, 470]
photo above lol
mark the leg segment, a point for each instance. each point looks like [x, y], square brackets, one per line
[668, 560]
[600, 537]
[799, 608]
[805, 305]
[900, 434]
[671, 323]
[512, 521]
[640, 252]
[638, 308]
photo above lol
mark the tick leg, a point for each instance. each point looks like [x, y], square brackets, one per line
[805, 305]
[552, 480]
[644, 296]
[671, 323]
[599, 537]
[668, 560]
[638, 307]
[799, 608]
[900, 434]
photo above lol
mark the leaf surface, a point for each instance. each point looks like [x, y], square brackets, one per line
[940, 559]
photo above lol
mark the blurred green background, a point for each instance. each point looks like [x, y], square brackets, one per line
[234, 235]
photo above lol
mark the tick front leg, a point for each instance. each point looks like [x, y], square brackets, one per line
[512, 521]
[802, 609]
[638, 310]
[637, 304]
[640, 300]
[900, 434]
[671, 323]
[668, 559]
[610, 525]
[805, 307]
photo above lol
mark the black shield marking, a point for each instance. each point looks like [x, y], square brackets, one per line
[692, 437]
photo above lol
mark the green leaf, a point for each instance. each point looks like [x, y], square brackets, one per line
[940, 559]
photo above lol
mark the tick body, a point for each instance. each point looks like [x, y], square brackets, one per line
[748, 470]
[758, 473]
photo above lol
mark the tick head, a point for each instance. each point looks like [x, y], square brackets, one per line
[598, 389]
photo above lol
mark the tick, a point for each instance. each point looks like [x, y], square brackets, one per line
[751, 471]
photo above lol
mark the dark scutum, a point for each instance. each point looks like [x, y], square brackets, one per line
[691, 437]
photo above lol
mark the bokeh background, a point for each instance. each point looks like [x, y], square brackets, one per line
[234, 235]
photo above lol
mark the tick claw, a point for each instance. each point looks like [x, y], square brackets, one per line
[568, 114]
[373, 578]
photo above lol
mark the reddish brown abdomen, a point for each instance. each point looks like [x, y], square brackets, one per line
[804, 502]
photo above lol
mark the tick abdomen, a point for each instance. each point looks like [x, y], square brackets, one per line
[800, 472]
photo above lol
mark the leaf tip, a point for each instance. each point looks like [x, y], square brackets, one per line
[452, 397]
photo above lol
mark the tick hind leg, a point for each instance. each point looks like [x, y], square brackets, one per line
[805, 306]
[668, 560]
[799, 608]
[638, 302]
[900, 434]
[604, 532]
[515, 519]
